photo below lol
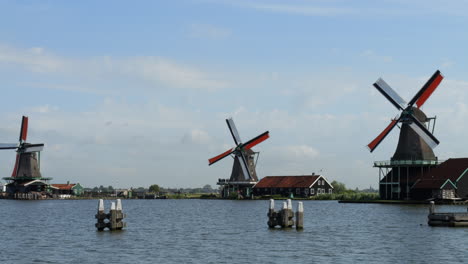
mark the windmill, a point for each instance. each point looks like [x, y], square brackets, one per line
[26, 175]
[416, 142]
[243, 174]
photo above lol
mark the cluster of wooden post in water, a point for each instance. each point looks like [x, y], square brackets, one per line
[112, 220]
[284, 217]
[446, 219]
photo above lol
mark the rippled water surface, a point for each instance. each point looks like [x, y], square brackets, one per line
[217, 231]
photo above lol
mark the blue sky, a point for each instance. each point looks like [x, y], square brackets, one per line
[132, 94]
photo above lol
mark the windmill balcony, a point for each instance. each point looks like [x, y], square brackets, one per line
[222, 181]
[393, 163]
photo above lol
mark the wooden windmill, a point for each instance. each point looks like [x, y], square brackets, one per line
[243, 175]
[416, 142]
[26, 175]
[414, 153]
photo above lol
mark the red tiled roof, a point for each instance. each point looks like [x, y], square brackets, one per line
[64, 186]
[287, 181]
[450, 169]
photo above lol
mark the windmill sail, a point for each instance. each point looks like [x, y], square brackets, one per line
[415, 141]
[244, 164]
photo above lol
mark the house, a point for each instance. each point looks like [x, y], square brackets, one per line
[67, 189]
[445, 180]
[293, 186]
[448, 180]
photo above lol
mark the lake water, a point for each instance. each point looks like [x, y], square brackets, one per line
[219, 231]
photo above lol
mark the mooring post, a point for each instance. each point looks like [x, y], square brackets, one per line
[271, 214]
[431, 207]
[290, 221]
[119, 224]
[112, 217]
[300, 216]
[284, 215]
[100, 216]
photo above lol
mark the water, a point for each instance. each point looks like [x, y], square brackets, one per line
[217, 231]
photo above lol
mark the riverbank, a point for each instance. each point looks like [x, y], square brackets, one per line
[444, 202]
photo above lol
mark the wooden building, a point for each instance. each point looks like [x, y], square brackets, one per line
[293, 186]
[67, 189]
[448, 180]
[441, 180]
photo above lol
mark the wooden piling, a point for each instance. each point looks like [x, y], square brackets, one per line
[272, 221]
[114, 217]
[290, 220]
[432, 207]
[285, 217]
[300, 216]
[101, 216]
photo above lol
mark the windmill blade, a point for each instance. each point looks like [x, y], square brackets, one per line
[382, 135]
[8, 145]
[244, 166]
[24, 129]
[34, 148]
[15, 169]
[390, 94]
[234, 132]
[428, 88]
[220, 156]
[422, 131]
[256, 140]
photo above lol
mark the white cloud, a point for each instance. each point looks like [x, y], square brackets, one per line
[207, 31]
[447, 63]
[196, 136]
[301, 9]
[44, 109]
[300, 152]
[371, 55]
[154, 70]
[158, 70]
[346, 8]
[34, 59]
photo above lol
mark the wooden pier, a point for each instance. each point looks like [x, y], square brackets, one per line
[446, 219]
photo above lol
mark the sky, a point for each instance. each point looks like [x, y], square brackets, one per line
[134, 93]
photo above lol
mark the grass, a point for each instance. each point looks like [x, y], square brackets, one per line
[347, 196]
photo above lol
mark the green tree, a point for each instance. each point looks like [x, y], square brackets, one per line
[207, 189]
[154, 188]
[338, 187]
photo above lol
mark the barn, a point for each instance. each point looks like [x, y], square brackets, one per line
[293, 186]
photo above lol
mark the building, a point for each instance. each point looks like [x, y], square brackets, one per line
[441, 180]
[448, 180]
[67, 189]
[293, 186]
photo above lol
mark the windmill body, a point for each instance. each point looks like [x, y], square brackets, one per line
[243, 175]
[26, 176]
[237, 174]
[410, 145]
[414, 153]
